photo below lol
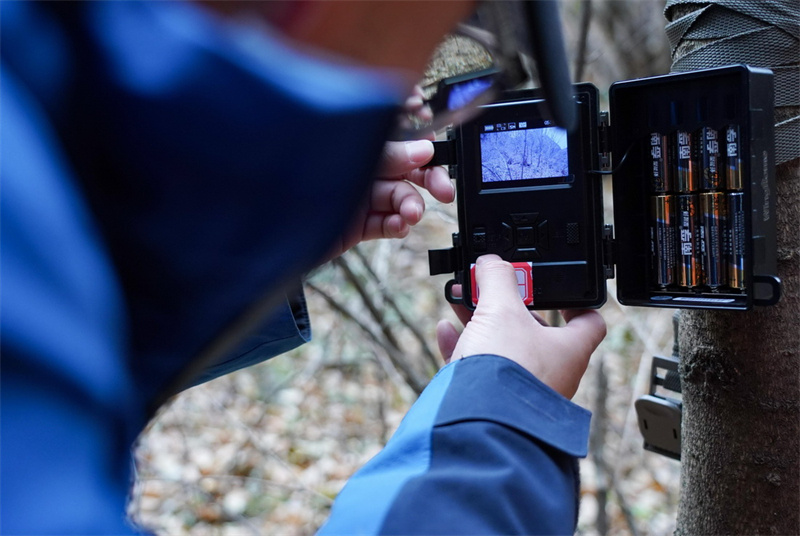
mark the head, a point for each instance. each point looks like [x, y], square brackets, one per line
[386, 34]
[402, 35]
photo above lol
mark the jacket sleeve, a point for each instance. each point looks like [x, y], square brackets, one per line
[285, 329]
[487, 449]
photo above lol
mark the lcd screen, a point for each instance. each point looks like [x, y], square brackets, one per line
[519, 151]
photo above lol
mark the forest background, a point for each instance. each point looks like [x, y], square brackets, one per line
[266, 449]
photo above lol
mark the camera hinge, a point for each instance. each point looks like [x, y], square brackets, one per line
[604, 133]
[444, 153]
[445, 261]
[608, 251]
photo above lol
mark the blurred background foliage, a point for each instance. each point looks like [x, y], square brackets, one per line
[265, 450]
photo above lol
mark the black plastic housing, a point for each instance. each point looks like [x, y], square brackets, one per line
[738, 95]
[556, 222]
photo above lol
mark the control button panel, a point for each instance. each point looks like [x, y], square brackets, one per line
[521, 237]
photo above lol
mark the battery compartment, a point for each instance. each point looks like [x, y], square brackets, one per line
[694, 194]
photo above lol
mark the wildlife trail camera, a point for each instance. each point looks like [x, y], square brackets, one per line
[693, 194]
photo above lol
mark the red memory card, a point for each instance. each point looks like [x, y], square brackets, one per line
[524, 272]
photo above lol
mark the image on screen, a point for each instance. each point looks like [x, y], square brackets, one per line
[512, 154]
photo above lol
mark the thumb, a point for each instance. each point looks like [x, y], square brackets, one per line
[497, 285]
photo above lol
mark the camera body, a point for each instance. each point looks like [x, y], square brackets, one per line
[694, 215]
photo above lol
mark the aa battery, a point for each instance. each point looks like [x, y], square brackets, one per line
[660, 176]
[685, 166]
[662, 239]
[734, 242]
[707, 140]
[714, 211]
[689, 266]
[733, 158]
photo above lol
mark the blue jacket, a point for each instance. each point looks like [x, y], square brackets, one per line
[164, 182]
[487, 449]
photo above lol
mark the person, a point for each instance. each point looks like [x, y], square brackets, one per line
[169, 171]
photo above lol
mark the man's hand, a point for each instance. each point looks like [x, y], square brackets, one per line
[394, 204]
[502, 325]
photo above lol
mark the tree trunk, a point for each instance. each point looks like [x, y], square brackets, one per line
[740, 372]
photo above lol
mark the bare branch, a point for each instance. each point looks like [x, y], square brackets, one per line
[397, 359]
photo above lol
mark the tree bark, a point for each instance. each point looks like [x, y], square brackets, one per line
[740, 376]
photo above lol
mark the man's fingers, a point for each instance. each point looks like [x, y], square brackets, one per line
[415, 106]
[384, 226]
[397, 197]
[446, 337]
[586, 325]
[400, 157]
[437, 182]
[434, 179]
